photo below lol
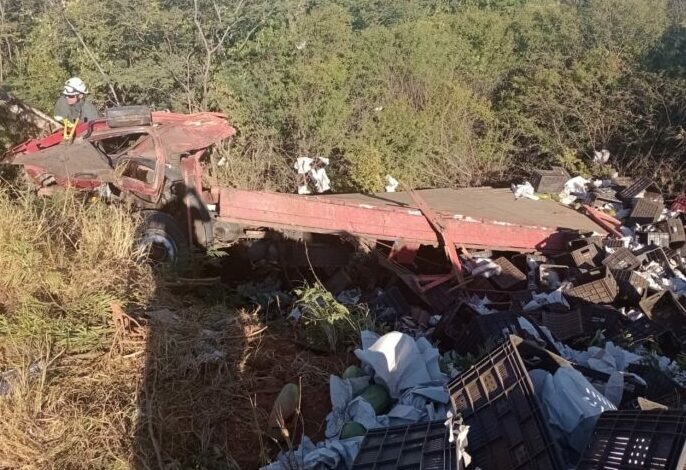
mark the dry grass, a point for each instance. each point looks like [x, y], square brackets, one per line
[86, 383]
[62, 261]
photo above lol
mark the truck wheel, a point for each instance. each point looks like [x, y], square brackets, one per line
[162, 238]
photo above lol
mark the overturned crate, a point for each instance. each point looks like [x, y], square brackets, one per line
[661, 388]
[675, 228]
[654, 238]
[563, 325]
[601, 196]
[507, 427]
[510, 276]
[585, 239]
[421, 446]
[551, 276]
[550, 181]
[635, 188]
[622, 258]
[596, 286]
[613, 242]
[632, 286]
[665, 309]
[644, 331]
[637, 440]
[603, 318]
[646, 212]
[466, 331]
[586, 257]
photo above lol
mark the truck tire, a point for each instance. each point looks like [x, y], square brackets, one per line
[161, 236]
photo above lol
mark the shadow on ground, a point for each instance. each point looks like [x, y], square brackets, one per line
[211, 374]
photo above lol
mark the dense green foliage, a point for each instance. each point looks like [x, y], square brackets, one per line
[433, 92]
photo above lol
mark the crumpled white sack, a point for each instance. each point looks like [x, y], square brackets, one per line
[575, 188]
[322, 182]
[601, 156]
[399, 362]
[524, 190]
[391, 184]
[303, 165]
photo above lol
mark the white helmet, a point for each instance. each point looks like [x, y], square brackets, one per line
[74, 86]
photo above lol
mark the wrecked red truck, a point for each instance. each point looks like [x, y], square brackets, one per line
[158, 160]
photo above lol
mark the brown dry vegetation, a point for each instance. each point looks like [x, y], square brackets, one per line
[101, 367]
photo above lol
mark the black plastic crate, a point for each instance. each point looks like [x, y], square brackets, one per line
[510, 276]
[586, 257]
[597, 286]
[550, 276]
[451, 325]
[660, 239]
[421, 446]
[468, 332]
[622, 258]
[633, 439]
[644, 331]
[613, 242]
[661, 388]
[507, 427]
[635, 188]
[645, 212]
[602, 196]
[657, 255]
[675, 228]
[585, 240]
[549, 181]
[664, 309]
[633, 388]
[563, 325]
[600, 317]
[632, 286]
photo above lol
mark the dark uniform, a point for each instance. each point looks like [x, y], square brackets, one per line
[83, 110]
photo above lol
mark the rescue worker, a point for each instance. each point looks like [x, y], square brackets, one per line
[72, 103]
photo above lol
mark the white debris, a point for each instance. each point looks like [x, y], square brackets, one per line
[322, 183]
[313, 168]
[486, 268]
[575, 188]
[398, 361]
[458, 435]
[609, 359]
[524, 190]
[391, 184]
[601, 157]
[303, 165]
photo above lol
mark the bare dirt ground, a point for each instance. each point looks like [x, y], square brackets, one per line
[209, 380]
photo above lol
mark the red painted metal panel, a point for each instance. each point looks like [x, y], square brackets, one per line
[322, 215]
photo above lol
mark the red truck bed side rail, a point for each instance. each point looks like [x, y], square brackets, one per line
[319, 214]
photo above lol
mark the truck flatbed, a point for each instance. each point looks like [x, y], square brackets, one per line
[472, 217]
